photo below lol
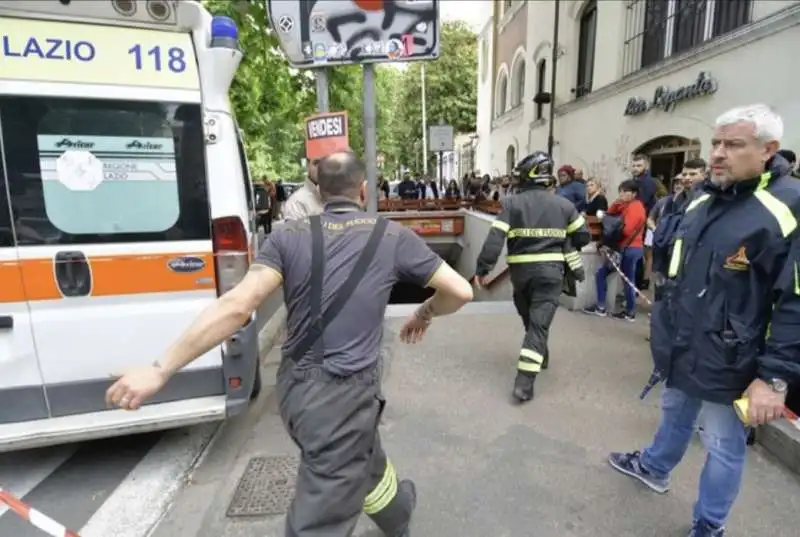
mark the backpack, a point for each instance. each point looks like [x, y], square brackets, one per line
[613, 227]
[611, 233]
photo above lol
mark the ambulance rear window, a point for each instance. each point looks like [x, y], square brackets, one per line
[88, 171]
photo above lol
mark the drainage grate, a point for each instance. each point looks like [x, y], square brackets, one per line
[266, 487]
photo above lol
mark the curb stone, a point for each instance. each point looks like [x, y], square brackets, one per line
[782, 440]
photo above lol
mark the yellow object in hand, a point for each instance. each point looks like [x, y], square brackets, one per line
[741, 406]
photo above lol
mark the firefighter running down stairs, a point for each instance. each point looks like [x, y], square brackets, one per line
[544, 233]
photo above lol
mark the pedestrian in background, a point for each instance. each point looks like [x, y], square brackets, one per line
[595, 198]
[624, 247]
[569, 188]
[305, 200]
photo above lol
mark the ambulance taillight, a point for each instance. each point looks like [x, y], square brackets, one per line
[231, 255]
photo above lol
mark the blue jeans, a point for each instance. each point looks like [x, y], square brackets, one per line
[724, 438]
[631, 257]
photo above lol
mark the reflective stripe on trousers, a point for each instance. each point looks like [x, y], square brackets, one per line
[343, 469]
[536, 295]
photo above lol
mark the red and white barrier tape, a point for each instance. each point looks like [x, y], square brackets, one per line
[625, 278]
[36, 518]
[792, 418]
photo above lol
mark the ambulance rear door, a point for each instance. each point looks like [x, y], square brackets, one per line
[122, 260]
[22, 395]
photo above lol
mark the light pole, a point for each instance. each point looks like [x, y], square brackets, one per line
[424, 123]
[554, 65]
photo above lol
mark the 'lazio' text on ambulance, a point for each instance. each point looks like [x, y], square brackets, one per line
[77, 53]
[49, 48]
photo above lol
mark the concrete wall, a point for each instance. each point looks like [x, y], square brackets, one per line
[476, 228]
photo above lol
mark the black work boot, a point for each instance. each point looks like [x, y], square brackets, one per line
[523, 386]
[395, 519]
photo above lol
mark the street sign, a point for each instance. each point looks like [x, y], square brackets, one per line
[325, 134]
[327, 33]
[440, 138]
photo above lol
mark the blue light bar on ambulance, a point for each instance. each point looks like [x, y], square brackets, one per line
[224, 33]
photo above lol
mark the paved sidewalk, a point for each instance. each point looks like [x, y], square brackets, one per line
[486, 468]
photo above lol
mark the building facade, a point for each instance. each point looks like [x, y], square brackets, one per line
[458, 162]
[632, 76]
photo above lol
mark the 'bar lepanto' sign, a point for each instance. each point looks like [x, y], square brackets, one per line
[667, 99]
[325, 134]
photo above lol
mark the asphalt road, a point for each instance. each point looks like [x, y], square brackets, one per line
[72, 482]
[486, 467]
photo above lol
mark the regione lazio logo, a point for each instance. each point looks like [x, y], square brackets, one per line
[325, 134]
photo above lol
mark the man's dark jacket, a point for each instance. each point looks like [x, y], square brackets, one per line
[574, 191]
[731, 311]
[647, 190]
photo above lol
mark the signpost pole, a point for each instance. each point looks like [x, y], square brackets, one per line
[424, 122]
[441, 169]
[321, 75]
[370, 137]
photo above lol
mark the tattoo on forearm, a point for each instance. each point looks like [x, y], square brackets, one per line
[425, 311]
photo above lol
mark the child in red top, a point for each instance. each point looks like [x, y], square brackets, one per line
[634, 218]
[631, 246]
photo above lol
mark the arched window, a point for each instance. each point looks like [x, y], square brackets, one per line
[501, 96]
[586, 48]
[511, 158]
[541, 75]
[518, 83]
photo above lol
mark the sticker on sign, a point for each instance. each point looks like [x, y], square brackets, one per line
[440, 138]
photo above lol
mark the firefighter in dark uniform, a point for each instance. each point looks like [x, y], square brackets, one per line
[727, 326]
[337, 270]
[544, 231]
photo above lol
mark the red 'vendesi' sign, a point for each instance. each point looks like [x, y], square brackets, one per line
[325, 134]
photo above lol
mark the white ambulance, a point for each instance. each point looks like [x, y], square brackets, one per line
[126, 208]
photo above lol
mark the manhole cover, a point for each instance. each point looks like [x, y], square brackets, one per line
[266, 487]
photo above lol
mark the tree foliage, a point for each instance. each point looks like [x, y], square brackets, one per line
[271, 99]
[451, 90]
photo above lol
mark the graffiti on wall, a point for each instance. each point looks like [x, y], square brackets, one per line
[613, 166]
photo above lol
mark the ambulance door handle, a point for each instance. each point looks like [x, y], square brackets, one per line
[6, 322]
[73, 276]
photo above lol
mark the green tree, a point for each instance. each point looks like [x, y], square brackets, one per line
[271, 99]
[388, 83]
[345, 91]
[451, 84]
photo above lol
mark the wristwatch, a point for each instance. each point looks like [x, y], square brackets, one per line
[778, 385]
